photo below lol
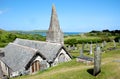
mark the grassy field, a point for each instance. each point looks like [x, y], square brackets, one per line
[75, 70]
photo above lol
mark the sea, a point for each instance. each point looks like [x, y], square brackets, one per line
[44, 33]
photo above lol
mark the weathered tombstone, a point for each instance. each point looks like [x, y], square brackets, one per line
[97, 61]
[73, 47]
[87, 45]
[97, 44]
[81, 52]
[83, 47]
[104, 43]
[114, 43]
[91, 48]
[69, 48]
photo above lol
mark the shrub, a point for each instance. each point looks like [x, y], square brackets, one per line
[117, 38]
[71, 42]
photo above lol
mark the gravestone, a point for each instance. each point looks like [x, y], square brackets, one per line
[91, 48]
[104, 43]
[69, 48]
[73, 47]
[97, 61]
[83, 47]
[86, 45]
[114, 43]
[81, 52]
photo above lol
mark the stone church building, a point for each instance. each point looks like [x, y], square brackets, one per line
[29, 56]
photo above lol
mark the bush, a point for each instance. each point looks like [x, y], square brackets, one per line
[71, 42]
[105, 38]
[117, 38]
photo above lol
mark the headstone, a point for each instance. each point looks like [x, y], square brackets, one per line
[81, 52]
[87, 45]
[97, 61]
[114, 43]
[91, 48]
[76, 48]
[69, 48]
[83, 47]
[104, 43]
[73, 47]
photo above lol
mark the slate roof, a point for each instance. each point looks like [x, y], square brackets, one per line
[47, 49]
[1, 55]
[17, 56]
[1, 52]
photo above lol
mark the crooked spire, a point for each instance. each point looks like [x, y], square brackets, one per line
[54, 32]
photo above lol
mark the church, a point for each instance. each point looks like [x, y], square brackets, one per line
[24, 56]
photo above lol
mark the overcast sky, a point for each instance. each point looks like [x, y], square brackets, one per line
[73, 15]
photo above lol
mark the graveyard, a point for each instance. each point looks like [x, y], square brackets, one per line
[109, 68]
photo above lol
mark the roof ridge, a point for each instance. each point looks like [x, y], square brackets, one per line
[26, 47]
[38, 41]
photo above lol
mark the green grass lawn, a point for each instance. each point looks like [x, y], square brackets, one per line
[77, 70]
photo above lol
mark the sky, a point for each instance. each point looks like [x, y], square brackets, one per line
[73, 15]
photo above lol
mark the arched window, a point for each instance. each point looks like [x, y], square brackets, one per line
[61, 58]
[35, 66]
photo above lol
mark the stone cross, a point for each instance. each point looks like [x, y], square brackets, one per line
[91, 48]
[97, 61]
[114, 43]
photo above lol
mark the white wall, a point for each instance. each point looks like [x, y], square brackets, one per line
[67, 58]
[4, 68]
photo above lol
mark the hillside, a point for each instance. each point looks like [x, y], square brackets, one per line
[74, 70]
[6, 37]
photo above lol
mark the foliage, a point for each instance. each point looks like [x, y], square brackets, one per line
[71, 42]
[117, 38]
[6, 37]
[79, 40]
